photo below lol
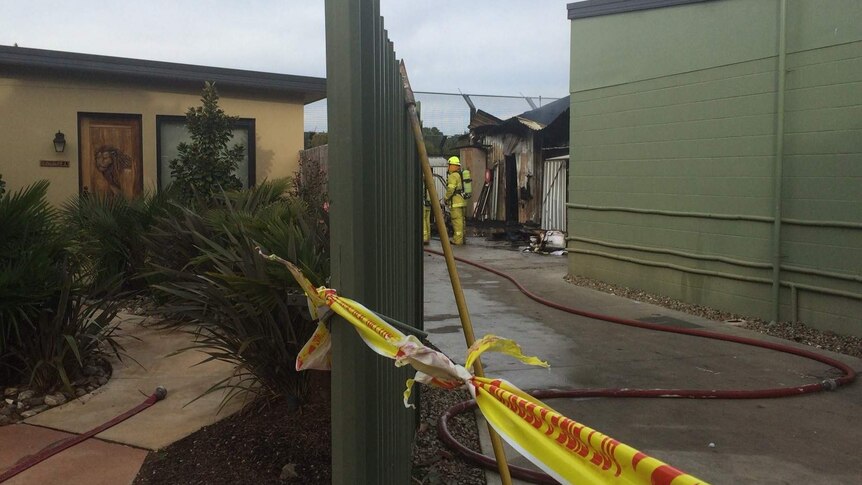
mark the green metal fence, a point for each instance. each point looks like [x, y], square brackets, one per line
[374, 186]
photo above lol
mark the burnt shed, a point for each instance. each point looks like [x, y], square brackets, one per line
[515, 181]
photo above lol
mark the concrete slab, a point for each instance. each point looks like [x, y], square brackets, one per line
[813, 439]
[167, 421]
[93, 462]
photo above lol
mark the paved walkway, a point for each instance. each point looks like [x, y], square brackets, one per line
[812, 439]
[118, 453]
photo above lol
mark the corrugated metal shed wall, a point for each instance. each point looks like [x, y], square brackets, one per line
[441, 174]
[375, 215]
[498, 146]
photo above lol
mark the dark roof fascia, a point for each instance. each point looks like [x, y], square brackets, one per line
[599, 8]
[307, 88]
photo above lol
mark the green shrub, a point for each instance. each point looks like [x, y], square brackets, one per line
[207, 165]
[311, 187]
[70, 328]
[2, 185]
[30, 255]
[51, 318]
[238, 302]
[107, 234]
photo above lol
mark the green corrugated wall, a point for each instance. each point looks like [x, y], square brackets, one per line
[673, 151]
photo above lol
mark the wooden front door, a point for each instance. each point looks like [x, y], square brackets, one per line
[110, 154]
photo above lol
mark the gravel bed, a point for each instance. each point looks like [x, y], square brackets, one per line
[433, 462]
[797, 332]
[20, 402]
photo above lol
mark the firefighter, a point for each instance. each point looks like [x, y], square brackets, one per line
[455, 199]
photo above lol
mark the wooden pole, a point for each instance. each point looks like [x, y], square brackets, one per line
[466, 323]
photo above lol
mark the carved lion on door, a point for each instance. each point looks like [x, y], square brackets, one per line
[111, 161]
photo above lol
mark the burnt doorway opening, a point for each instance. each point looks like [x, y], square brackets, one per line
[511, 174]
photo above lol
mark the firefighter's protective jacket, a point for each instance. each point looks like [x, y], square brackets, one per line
[454, 190]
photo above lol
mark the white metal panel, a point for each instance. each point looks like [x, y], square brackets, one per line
[554, 194]
[439, 184]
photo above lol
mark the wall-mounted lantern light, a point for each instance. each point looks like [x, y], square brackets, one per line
[59, 142]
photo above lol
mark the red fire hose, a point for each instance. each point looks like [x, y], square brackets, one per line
[49, 451]
[847, 377]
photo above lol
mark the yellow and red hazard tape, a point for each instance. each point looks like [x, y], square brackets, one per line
[567, 450]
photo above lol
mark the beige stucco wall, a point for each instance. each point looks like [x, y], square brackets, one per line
[32, 109]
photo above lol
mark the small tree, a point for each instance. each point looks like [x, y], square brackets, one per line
[434, 140]
[315, 139]
[207, 163]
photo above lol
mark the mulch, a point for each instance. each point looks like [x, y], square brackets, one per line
[251, 447]
[255, 446]
[433, 462]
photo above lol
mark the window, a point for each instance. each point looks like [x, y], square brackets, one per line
[171, 131]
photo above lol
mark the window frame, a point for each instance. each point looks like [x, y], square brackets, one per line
[247, 123]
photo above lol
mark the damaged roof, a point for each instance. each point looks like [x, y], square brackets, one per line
[539, 118]
[483, 118]
[536, 120]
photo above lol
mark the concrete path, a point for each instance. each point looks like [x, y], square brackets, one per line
[156, 427]
[93, 462]
[813, 439]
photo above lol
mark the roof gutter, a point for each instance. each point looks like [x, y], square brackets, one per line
[22, 59]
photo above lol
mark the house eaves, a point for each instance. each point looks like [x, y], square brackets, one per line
[599, 8]
[89, 66]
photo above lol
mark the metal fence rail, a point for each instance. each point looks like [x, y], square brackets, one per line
[375, 216]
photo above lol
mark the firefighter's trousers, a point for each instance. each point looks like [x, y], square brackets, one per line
[457, 214]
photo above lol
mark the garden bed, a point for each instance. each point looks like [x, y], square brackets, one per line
[257, 446]
[263, 445]
[20, 402]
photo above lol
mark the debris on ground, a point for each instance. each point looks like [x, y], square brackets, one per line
[797, 332]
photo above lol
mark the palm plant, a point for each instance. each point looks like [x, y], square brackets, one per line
[238, 304]
[71, 327]
[107, 233]
[51, 321]
[30, 250]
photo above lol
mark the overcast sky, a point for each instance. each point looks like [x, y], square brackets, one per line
[487, 46]
[499, 47]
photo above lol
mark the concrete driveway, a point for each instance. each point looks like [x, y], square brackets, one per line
[812, 439]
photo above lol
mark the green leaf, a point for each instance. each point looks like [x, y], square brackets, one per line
[74, 346]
